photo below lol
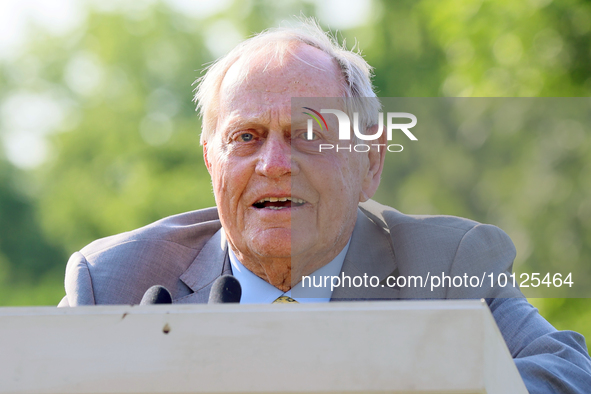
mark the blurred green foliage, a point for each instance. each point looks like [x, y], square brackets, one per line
[125, 151]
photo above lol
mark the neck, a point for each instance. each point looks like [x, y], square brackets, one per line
[279, 271]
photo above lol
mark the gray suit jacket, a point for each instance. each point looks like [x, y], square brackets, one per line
[186, 253]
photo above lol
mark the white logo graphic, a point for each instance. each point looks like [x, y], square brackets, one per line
[345, 130]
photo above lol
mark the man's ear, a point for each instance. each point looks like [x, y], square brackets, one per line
[205, 159]
[376, 156]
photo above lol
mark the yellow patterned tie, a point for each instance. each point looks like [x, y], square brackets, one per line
[284, 300]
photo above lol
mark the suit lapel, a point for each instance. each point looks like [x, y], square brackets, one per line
[371, 253]
[211, 263]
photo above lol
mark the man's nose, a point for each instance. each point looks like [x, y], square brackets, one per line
[274, 158]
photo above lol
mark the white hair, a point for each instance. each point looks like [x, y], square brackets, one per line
[274, 44]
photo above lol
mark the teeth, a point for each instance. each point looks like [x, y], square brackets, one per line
[281, 199]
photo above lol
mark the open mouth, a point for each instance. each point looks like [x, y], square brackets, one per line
[278, 203]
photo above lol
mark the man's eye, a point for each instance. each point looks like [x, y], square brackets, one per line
[306, 136]
[246, 137]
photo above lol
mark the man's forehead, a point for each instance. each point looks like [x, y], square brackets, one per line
[299, 71]
[259, 109]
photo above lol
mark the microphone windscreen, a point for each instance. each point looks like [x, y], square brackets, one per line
[225, 289]
[156, 295]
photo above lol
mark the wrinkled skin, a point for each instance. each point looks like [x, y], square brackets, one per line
[257, 151]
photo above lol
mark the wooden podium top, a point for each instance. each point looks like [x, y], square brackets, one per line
[360, 347]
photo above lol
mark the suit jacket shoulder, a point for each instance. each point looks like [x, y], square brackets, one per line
[118, 269]
[435, 247]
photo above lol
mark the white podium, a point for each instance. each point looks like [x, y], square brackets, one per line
[361, 347]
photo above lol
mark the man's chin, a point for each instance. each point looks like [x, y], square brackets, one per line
[280, 245]
[273, 243]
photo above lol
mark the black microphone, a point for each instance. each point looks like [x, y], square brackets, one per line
[225, 289]
[156, 295]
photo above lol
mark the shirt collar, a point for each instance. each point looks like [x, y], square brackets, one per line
[257, 291]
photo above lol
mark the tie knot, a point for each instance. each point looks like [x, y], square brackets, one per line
[284, 300]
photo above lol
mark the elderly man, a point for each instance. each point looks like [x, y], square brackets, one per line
[286, 210]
